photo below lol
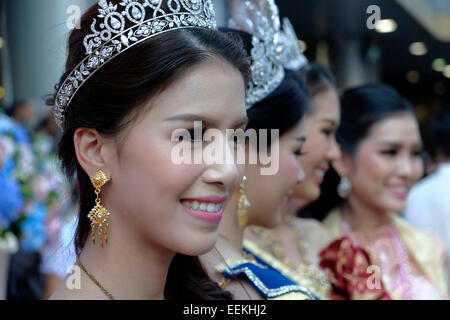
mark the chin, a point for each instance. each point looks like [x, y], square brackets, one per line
[308, 193]
[198, 246]
[395, 205]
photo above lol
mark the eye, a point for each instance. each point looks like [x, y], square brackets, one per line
[390, 152]
[192, 133]
[237, 141]
[299, 152]
[328, 132]
[417, 153]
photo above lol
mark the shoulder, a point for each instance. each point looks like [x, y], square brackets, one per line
[312, 229]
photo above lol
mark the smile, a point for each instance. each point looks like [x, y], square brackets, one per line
[206, 209]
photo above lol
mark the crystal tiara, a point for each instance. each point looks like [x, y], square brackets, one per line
[274, 49]
[123, 26]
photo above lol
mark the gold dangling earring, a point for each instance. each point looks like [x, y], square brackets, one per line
[99, 215]
[243, 205]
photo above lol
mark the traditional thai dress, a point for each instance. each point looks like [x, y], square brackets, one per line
[267, 281]
[412, 262]
[309, 237]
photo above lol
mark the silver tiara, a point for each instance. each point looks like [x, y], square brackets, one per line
[123, 26]
[273, 49]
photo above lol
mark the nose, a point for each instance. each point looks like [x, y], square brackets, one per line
[222, 171]
[405, 167]
[334, 150]
[223, 175]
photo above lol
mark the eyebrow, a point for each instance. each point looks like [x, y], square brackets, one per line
[396, 144]
[207, 121]
[332, 122]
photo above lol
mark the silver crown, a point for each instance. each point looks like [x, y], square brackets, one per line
[123, 26]
[273, 49]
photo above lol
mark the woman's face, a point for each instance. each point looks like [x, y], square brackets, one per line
[320, 147]
[387, 164]
[178, 206]
[268, 193]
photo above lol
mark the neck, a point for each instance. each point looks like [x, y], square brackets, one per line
[126, 266]
[229, 226]
[362, 217]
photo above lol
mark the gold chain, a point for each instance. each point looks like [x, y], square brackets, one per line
[106, 292]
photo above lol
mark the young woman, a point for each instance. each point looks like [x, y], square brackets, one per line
[381, 160]
[169, 71]
[276, 101]
[297, 241]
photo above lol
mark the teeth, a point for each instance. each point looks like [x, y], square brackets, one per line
[319, 172]
[202, 206]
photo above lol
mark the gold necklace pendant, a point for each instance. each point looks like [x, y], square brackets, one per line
[95, 281]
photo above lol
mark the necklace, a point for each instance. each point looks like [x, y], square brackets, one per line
[305, 272]
[226, 281]
[106, 292]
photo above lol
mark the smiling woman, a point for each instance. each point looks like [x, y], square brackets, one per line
[380, 162]
[153, 214]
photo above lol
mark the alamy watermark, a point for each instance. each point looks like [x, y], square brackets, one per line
[375, 16]
[73, 21]
[213, 147]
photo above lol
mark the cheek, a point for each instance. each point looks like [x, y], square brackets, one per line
[315, 148]
[289, 171]
[418, 170]
[373, 169]
[149, 179]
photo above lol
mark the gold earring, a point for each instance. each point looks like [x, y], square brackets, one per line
[243, 205]
[99, 215]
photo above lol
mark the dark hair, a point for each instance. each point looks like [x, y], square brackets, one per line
[361, 108]
[441, 132]
[114, 97]
[364, 106]
[317, 78]
[284, 107]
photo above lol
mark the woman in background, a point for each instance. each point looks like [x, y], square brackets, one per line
[297, 241]
[381, 160]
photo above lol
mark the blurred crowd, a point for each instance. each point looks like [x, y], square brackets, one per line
[35, 200]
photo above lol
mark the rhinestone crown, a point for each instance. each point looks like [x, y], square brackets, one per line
[274, 49]
[123, 26]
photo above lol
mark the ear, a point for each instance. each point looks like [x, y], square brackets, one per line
[92, 151]
[343, 164]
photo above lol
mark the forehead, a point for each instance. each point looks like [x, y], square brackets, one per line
[325, 104]
[212, 88]
[401, 129]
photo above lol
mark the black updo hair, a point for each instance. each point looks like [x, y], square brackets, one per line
[317, 78]
[361, 109]
[282, 109]
[364, 106]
